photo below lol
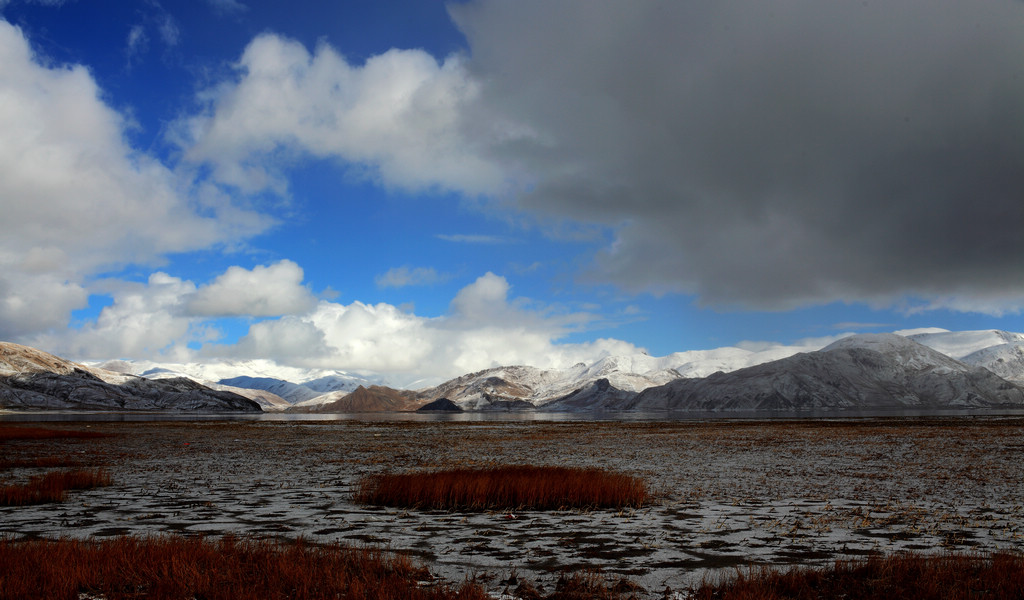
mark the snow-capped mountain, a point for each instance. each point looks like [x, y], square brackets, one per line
[274, 386]
[1001, 352]
[863, 371]
[290, 392]
[32, 379]
[612, 380]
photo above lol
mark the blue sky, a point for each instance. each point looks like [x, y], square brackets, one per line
[431, 188]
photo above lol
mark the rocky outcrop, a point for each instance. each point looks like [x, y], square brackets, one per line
[440, 405]
[591, 396]
[376, 398]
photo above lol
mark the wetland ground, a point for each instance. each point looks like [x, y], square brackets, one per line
[727, 493]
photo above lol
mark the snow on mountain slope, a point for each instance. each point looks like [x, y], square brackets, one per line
[1001, 352]
[493, 388]
[266, 399]
[867, 371]
[338, 382]
[1005, 360]
[291, 383]
[16, 359]
[291, 392]
[35, 380]
[959, 344]
[904, 351]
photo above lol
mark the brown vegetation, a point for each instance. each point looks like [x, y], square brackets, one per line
[16, 432]
[52, 487]
[521, 487]
[238, 569]
[919, 577]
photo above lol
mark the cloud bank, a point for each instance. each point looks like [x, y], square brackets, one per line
[756, 155]
[773, 154]
[395, 119]
[751, 154]
[264, 291]
[399, 277]
[77, 199]
[166, 316]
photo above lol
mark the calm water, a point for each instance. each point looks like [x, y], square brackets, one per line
[518, 416]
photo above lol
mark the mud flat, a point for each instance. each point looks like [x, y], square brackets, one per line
[728, 493]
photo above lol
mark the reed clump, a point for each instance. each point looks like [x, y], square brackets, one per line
[998, 576]
[176, 567]
[505, 488]
[53, 486]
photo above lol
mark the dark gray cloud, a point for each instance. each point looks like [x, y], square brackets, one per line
[771, 154]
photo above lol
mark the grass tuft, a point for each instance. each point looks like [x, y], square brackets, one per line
[175, 567]
[999, 576]
[52, 487]
[519, 487]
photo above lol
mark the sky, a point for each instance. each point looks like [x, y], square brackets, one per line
[429, 189]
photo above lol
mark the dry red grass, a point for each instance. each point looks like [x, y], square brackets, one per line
[52, 487]
[17, 432]
[160, 568]
[523, 487]
[910, 576]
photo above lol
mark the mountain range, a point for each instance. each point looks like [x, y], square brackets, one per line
[32, 379]
[919, 369]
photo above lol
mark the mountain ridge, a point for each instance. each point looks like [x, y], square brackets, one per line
[31, 379]
[612, 382]
[871, 371]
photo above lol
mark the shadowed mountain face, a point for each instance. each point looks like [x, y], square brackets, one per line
[870, 371]
[376, 398]
[31, 379]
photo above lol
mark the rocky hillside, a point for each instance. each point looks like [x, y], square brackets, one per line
[376, 398]
[865, 371]
[31, 379]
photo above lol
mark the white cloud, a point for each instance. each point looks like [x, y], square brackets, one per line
[162, 317]
[161, 320]
[484, 328]
[4, 3]
[77, 199]
[405, 276]
[472, 238]
[227, 7]
[144, 320]
[994, 303]
[289, 340]
[754, 154]
[397, 118]
[36, 302]
[484, 301]
[264, 291]
[137, 40]
[168, 28]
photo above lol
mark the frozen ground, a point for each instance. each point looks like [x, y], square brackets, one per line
[729, 493]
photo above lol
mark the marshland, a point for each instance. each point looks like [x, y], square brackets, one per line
[706, 501]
